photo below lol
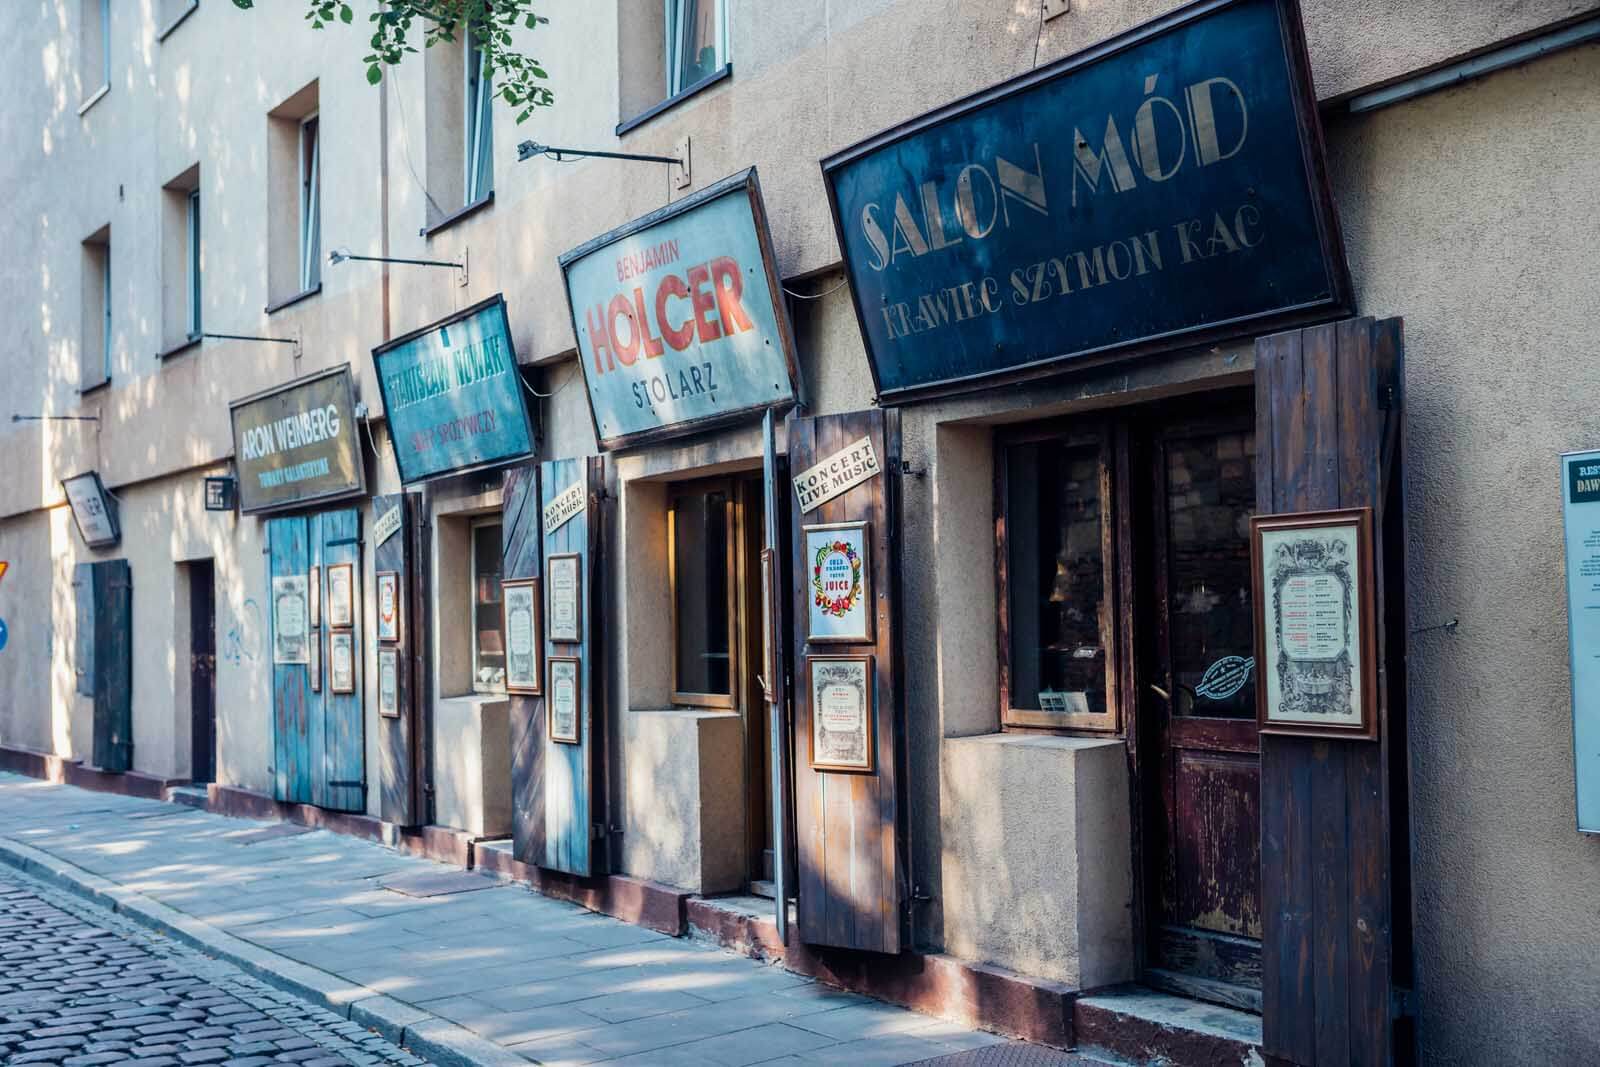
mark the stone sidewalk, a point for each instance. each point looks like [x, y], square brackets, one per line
[488, 972]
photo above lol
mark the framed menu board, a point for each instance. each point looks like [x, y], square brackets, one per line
[1315, 638]
[564, 588]
[841, 712]
[519, 604]
[565, 699]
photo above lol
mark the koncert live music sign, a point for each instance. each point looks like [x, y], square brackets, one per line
[1165, 187]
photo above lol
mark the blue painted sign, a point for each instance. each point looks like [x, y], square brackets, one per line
[5, 635]
[453, 395]
[1165, 187]
[1580, 499]
[678, 317]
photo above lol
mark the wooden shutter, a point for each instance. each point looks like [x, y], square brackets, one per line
[848, 843]
[289, 554]
[83, 643]
[558, 814]
[1328, 413]
[521, 540]
[103, 651]
[337, 724]
[400, 799]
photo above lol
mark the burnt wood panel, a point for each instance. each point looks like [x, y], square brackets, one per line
[1326, 414]
[113, 665]
[846, 824]
[399, 746]
[521, 542]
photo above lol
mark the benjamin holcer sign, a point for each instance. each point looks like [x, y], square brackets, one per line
[453, 395]
[296, 444]
[1164, 187]
[678, 318]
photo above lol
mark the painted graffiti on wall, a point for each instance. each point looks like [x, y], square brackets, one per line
[243, 640]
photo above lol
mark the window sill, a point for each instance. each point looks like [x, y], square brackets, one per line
[179, 348]
[456, 216]
[166, 31]
[94, 98]
[303, 294]
[722, 73]
[87, 390]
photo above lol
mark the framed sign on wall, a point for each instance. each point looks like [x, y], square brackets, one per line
[565, 697]
[341, 595]
[289, 633]
[315, 665]
[1315, 637]
[341, 661]
[389, 682]
[841, 720]
[564, 573]
[838, 568]
[519, 604]
[388, 606]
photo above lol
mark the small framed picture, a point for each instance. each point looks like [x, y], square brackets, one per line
[388, 606]
[341, 661]
[564, 699]
[316, 596]
[315, 664]
[839, 583]
[519, 608]
[841, 713]
[389, 682]
[1316, 644]
[341, 595]
[289, 618]
[563, 575]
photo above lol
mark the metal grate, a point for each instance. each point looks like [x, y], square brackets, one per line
[1011, 1054]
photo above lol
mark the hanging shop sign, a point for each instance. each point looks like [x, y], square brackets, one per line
[1164, 187]
[296, 444]
[1580, 497]
[1314, 595]
[454, 396]
[221, 493]
[679, 318]
[93, 509]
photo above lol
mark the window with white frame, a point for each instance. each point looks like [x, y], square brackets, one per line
[192, 262]
[488, 639]
[478, 123]
[310, 205]
[181, 262]
[696, 41]
[94, 47]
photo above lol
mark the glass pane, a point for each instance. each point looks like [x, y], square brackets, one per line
[1211, 494]
[700, 581]
[1057, 578]
[692, 45]
[489, 647]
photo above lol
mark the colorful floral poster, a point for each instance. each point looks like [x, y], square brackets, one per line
[839, 583]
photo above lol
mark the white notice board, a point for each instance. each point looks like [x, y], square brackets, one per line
[1580, 506]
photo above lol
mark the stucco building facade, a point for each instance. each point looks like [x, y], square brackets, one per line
[157, 158]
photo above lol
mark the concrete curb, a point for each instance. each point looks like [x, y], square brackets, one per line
[429, 1036]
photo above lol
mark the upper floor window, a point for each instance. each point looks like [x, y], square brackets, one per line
[697, 41]
[477, 121]
[459, 129]
[94, 50]
[95, 363]
[310, 206]
[294, 198]
[182, 261]
[191, 259]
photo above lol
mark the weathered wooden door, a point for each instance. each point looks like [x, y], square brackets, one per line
[398, 532]
[104, 601]
[551, 531]
[848, 840]
[1197, 719]
[202, 672]
[319, 749]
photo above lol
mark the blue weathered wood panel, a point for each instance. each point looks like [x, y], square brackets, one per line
[338, 741]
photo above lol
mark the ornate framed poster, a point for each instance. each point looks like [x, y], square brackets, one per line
[565, 699]
[389, 682]
[388, 606]
[519, 607]
[289, 632]
[316, 597]
[840, 583]
[563, 574]
[341, 595]
[341, 661]
[841, 713]
[1316, 643]
[315, 664]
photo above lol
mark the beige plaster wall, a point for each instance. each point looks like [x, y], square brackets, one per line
[1472, 213]
[683, 810]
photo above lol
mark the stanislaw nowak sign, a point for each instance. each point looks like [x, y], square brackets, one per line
[297, 444]
[1165, 185]
[678, 319]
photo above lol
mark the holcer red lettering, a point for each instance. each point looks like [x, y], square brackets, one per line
[630, 322]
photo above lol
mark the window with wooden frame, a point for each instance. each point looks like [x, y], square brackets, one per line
[1057, 569]
[702, 552]
[488, 637]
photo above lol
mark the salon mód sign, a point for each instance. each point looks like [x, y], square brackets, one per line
[1164, 187]
[678, 318]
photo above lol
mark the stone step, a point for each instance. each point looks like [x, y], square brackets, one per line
[1142, 1026]
[191, 796]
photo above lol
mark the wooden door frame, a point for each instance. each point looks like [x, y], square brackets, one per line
[192, 569]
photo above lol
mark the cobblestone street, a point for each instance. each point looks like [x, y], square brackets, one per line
[80, 985]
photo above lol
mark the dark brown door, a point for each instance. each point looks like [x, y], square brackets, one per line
[203, 671]
[1200, 758]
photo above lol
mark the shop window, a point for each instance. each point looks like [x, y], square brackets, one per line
[460, 129]
[1056, 551]
[94, 367]
[94, 50]
[670, 52]
[488, 639]
[702, 547]
[294, 183]
[183, 263]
